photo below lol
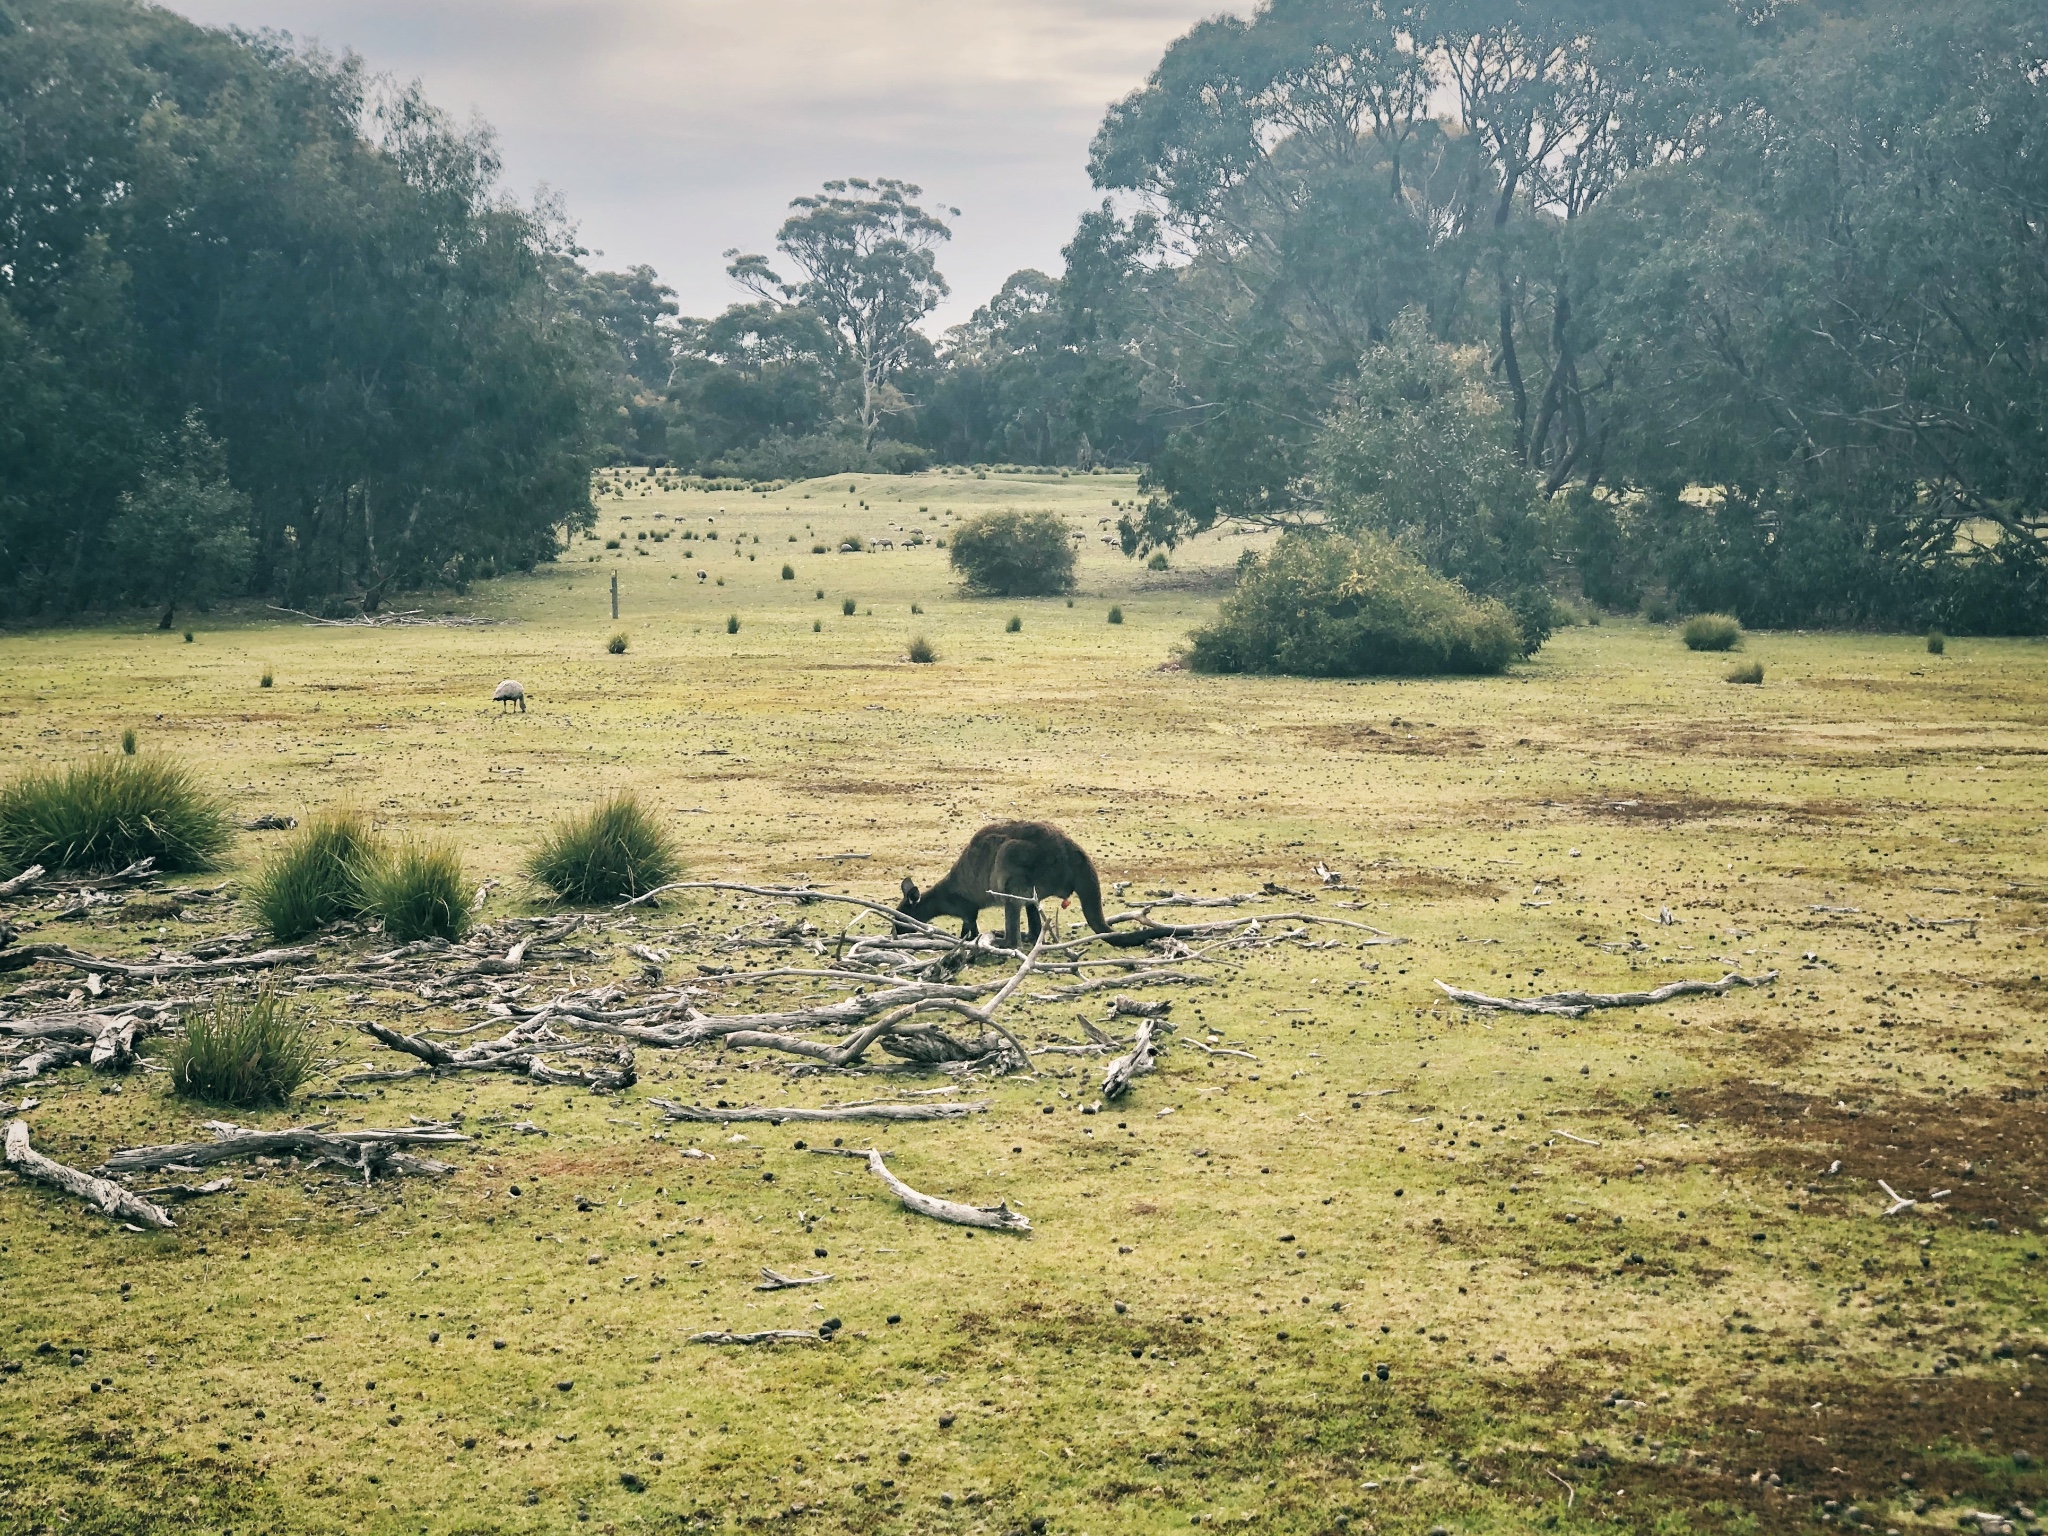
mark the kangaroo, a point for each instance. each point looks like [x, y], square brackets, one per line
[1030, 860]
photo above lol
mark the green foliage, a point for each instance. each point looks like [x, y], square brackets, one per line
[182, 535]
[817, 626]
[267, 679]
[1937, 642]
[1158, 562]
[1009, 553]
[617, 644]
[922, 651]
[1323, 605]
[107, 812]
[1711, 632]
[789, 573]
[1116, 614]
[1658, 609]
[611, 852]
[846, 607]
[732, 624]
[1015, 625]
[128, 742]
[1747, 672]
[820, 549]
[419, 892]
[243, 1052]
[316, 878]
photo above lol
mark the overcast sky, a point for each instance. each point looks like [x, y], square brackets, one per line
[678, 128]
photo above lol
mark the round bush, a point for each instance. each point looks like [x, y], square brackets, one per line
[1014, 554]
[108, 812]
[419, 892]
[316, 878]
[610, 852]
[1711, 632]
[1321, 605]
[1116, 615]
[921, 651]
[616, 645]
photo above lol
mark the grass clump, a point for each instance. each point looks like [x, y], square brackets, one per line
[316, 878]
[1015, 625]
[1711, 632]
[243, 1052]
[1009, 553]
[266, 680]
[788, 572]
[817, 626]
[419, 892]
[610, 852]
[128, 742]
[108, 812]
[846, 607]
[1937, 642]
[1158, 562]
[1748, 672]
[922, 651]
[1325, 606]
[732, 623]
[1116, 615]
[617, 644]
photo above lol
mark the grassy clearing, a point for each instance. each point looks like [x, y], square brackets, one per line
[1523, 833]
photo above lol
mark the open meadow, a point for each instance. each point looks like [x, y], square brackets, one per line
[1355, 1257]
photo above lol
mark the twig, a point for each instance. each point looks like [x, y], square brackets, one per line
[1583, 1141]
[776, 1115]
[1116, 1081]
[1899, 1201]
[771, 1281]
[998, 1217]
[104, 1193]
[1573, 1004]
[1570, 1493]
[765, 1336]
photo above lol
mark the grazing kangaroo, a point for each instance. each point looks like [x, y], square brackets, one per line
[1031, 860]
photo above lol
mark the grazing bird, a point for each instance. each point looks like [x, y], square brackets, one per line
[509, 692]
[1016, 864]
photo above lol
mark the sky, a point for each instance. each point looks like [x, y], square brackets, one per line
[675, 129]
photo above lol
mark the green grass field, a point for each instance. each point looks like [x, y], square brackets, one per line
[1410, 1266]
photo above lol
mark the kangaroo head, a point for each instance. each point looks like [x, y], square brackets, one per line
[911, 897]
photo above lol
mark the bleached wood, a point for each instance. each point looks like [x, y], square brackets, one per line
[778, 1114]
[1116, 1079]
[1572, 1004]
[103, 1193]
[998, 1217]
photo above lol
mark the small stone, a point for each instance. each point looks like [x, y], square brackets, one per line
[946, 1420]
[563, 1386]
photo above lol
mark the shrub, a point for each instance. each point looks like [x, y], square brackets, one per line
[1016, 623]
[1937, 642]
[243, 1052]
[819, 549]
[617, 644]
[608, 853]
[188, 637]
[789, 573]
[821, 594]
[611, 543]
[418, 891]
[732, 623]
[1157, 562]
[917, 607]
[921, 650]
[1014, 554]
[1329, 606]
[817, 626]
[266, 680]
[854, 544]
[108, 812]
[1711, 632]
[846, 607]
[1116, 615]
[128, 742]
[317, 877]
[1748, 672]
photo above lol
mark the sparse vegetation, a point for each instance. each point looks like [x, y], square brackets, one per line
[1015, 624]
[317, 877]
[847, 607]
[1116, 614]
[922, 651]
[419, 891]
[789, 573]
[243, 1052]
[1158, 562]
[107, 812]
[732, 624]
[1711, 632]
[128, 742]
[1747, 672]
[1012, 553]
[1327, 606]
[617, 644]
[1937, 642]
[613, 851]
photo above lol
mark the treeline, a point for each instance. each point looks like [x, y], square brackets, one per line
[266, 325]
[1710, 303]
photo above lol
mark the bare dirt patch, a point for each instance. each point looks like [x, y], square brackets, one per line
[1413, 741]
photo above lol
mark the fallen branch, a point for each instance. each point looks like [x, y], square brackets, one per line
[54, 1054]
[153, 970]
[1117, 1079]
[771, 1281]
[1132, 1007]
[777, 1115]
[22, 881]
[1583, 1141]
[998, 1217]
[367, 1151]
[103, 1193]
[191, 1191]
[1573, 1004]
[1899, 1201]
[520, 1050]
[765, 1336]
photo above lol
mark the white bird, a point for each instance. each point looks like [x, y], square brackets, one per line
[509, 692]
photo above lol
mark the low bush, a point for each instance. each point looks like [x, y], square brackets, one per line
[1657, 609]
[1009, 553]
[732, 621]
[817, 626]
[1937, 642]
[789, 573]
[608, 853]
[819, 549]
[1116, 615]
[1158, 562]
[846, 607]
[1711, 632]
[107, 812]
[266, 680]
[316, 878]
[921, 650]
[1015, 625]
[1748, 672]
[419, 892]
[243, 1052]
[1327, 606]
[617, 644]
[128, 742]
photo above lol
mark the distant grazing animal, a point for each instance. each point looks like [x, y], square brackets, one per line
[1030, 860]
[510, 692]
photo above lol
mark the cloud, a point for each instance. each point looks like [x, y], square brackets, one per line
[678, 128]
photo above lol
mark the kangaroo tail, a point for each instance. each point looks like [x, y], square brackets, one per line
[1089, 888]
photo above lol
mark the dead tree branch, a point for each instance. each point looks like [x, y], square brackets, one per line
[156, 970]
[998, 1217]
[777, 1115]
[771, 1281]
[103, 1193]
[1572, 1004]
[765, 1336]
[367, 1151]
[1116, 1080]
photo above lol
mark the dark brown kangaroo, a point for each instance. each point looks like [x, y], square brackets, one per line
[1031, 860]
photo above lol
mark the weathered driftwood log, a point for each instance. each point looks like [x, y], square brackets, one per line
[190, 1191]
[778, 1114]
[522, 1049]
[998, 1217]
[598, 1070]
[155, 970]
[1573, 1004]
[52, 1055]
[1116, 1078]
[366, 1151]
[103, 1193]
[22, 881]
[771, 1281]
[845, 1013]
[1131, 1007]
[765, 1336]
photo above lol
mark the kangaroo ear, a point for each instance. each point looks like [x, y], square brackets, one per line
[909, 889]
